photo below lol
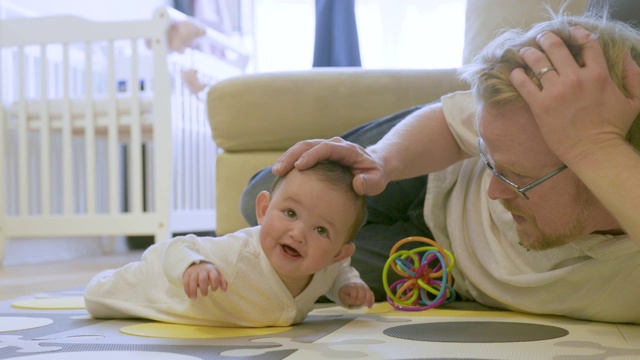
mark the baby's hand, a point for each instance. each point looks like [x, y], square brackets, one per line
[356, 294]
[202, 276]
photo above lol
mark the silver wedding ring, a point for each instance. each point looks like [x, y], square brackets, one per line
[544, 70]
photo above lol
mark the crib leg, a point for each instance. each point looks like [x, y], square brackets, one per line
[162, 234]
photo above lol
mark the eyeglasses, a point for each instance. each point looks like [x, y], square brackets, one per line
[522, 191]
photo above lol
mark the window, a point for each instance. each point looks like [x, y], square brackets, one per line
[392, 33]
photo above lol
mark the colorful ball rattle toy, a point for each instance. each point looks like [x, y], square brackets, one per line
[427, 282]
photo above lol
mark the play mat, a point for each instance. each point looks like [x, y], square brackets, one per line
[56, 326]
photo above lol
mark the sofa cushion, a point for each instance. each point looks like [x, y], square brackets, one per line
[233, 171]
[486, 18]
[273, 111]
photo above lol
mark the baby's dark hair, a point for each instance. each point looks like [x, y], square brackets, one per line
[340, 177]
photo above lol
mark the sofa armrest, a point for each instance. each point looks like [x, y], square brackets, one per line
[273, 111]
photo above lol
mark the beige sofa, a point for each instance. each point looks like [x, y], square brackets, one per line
[255, 118]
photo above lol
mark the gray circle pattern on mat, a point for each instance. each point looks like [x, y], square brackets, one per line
[476, 332]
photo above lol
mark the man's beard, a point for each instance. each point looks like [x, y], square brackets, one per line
[546, 241]
[541, 240]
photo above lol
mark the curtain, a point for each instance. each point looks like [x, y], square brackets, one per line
[184, 6]
[336, 36]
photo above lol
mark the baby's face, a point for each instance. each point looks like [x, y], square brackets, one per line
[306, 224]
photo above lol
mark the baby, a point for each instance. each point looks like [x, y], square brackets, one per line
[268, 275]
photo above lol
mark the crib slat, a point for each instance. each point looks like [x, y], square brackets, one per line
[193, 158]
[4, 197]
[205, 155]
[67, 155]
[4, 201]
[3, 183]
[136, 134]
[90, 134]
[23, 149]
[188, 145]
[112, 132]
[201, 166]
[45, 136]
[177, 107]
[162, 136]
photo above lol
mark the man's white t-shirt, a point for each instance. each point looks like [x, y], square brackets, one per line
[594, 278]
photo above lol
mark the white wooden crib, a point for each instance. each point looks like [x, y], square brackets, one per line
[99, 134]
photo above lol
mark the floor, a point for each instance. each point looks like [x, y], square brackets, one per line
[46, 327]
[457, 331]
[22, 280]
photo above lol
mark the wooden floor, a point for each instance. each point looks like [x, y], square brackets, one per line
[22, 280]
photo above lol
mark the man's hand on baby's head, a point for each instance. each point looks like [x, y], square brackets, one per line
[369, 175]
[355, 295]
[202, 276]
[292, 157]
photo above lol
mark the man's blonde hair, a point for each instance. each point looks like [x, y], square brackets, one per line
[488, 73]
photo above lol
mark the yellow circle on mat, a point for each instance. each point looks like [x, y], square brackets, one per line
[177, 331]
[66, 303]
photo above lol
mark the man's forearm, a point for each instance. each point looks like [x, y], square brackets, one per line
[420, 144]
[612, 173]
